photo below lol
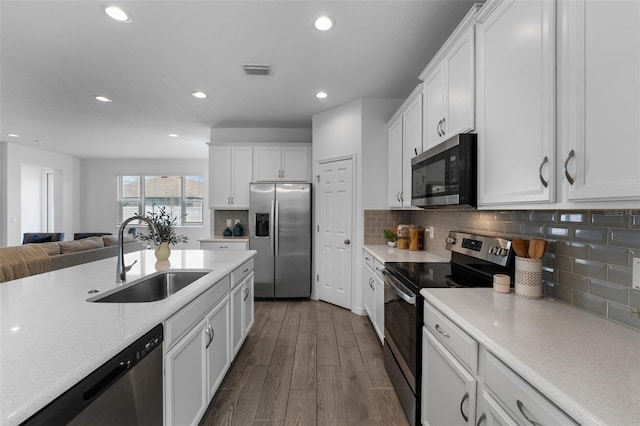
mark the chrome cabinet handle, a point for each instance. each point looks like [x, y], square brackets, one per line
[521, 408]
[438, 128]
[444, 121]
[398, 196]
[544, 161]
[439, 330]
[401, 195]
[245, 271]
[211, 336]
[566, 172]
[482, 418]
[370, 283]
[465, 397]
[232, 199]
[207, 330]
[246, 293]
[229, 200]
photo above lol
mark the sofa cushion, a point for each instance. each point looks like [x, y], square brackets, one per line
[112, 240]
[42, 237]
[81, 245]
[52, 249]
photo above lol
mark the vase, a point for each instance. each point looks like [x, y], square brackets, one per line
[391, 243]
[163, 251]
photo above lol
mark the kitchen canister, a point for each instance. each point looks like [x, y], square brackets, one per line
[501, 283]
[528, 277]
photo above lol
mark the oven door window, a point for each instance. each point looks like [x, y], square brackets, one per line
[436, 176]
[400, 326]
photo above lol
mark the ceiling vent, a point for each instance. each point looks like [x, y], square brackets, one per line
[252, 69]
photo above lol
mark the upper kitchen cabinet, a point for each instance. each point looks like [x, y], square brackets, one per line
[449, 86]
[282, 163]
[515, 105]
[599, 100]
[230, 174]
[405, 142]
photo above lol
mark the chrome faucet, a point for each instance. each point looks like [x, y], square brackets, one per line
[121, 273]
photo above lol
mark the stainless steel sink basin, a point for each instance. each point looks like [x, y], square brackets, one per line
[151, 288]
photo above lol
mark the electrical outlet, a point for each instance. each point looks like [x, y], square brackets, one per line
[636, 272]
[432, 232]
[228, 223]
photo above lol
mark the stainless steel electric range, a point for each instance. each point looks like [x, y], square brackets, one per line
[474, 261]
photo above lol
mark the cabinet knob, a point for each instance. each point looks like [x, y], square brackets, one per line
[347, 241]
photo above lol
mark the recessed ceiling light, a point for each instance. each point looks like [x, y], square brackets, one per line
[323, 23]
[102, 98]
[321, 95]
[198, 94]
[118, 14]
[174, 135]
[13, 135]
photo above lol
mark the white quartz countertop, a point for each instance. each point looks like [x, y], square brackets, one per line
[587, 365]
[52, 337]
[389, 254]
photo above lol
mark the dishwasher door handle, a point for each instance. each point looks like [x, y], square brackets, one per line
[106, 381]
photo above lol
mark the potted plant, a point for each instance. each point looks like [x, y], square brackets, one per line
[391, 237]
[165, 224]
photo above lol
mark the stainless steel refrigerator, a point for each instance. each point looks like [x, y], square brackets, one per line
[280, 231]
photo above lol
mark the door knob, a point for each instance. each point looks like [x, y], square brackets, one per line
[347, 241]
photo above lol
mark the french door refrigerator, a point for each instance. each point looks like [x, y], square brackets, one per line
[280, 231]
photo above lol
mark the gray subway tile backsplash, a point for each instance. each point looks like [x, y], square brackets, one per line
[589, 252]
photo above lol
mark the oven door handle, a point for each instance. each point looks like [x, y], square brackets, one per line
[396, 286]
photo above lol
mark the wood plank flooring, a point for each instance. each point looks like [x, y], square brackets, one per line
[307, 363]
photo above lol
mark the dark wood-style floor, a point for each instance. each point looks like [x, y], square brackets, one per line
[307, 363]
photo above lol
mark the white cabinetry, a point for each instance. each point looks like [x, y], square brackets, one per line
[224, 245]
[449, 86]
[449, 391]
[373, 292]
[368, 287]
[515, 42]
[599, 94]
[230, 172]
[282, 163]
[241, 305]
[197, 339]
[405, 142]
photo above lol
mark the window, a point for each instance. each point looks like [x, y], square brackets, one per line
[183, 196]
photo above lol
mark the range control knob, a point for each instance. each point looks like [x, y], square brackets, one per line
[450, 240]
[502, 252]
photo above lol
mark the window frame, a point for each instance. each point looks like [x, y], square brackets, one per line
[142, 197]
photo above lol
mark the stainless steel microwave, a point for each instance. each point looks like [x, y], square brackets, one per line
[446, 175]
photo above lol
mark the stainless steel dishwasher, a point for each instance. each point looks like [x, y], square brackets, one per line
[126, 390]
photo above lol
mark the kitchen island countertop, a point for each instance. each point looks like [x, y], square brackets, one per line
[587, 365]
[52, 337]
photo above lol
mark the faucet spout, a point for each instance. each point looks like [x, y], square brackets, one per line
[121, 272]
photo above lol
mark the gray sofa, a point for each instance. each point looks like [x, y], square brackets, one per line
[64, 254]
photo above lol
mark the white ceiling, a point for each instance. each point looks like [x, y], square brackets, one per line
[55, 55]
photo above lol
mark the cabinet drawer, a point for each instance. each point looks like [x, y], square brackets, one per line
[367, 258]
[522, 400]
[183, 320]
[453, 337]
[224, 245]
[241, 272]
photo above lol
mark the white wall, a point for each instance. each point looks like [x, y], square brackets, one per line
[66, 169]
[99, 192]
[357, 128]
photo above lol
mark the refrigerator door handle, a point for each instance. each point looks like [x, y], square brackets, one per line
[271, 228]
[276, 234]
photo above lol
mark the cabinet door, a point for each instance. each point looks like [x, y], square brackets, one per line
[185, 383]
[378, 305]
[248, 303]
[266, 163]
[459, 65]
[490, 413]
[516, 102]
[241, 175]
[434, 99]
[395, 163]
[412, 144]
[448, 389]
[218, 354]
[599, 80]
[220, 177]
[237, 319]
[295, 164]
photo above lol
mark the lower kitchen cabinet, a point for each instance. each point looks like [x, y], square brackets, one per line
[241, 312]
[491, 413]
[448, 389]
[195, 366]
[373, 292]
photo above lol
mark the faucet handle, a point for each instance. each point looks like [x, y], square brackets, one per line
[128, 268]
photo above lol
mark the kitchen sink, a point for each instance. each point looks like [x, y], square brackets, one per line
[151, 288]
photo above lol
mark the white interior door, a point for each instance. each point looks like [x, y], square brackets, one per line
[334, 220]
